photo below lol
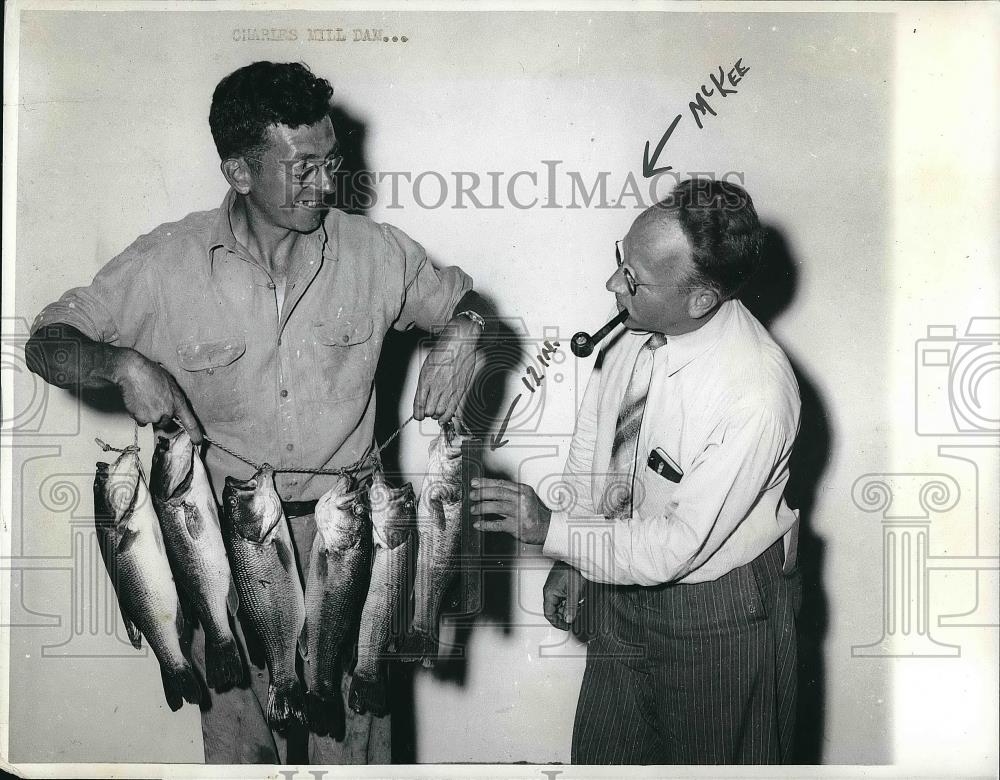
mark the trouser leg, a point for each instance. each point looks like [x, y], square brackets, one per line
[233, 724]
[723, 654]
[615, 715]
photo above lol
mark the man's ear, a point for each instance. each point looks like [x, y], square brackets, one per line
[702, 301]
[237, 173]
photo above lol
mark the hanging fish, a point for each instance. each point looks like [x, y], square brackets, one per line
[383, 617]
[335, 586]
[136, 558]
[439, 529]
[190, 523]
[270, 590]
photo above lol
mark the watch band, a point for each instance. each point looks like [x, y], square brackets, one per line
[471, 315]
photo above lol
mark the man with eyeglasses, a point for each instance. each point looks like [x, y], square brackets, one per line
[674, 538]
[262, 322]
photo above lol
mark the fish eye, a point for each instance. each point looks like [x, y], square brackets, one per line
[358, 509]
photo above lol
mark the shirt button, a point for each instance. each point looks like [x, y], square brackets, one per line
[210, 371]
[345, 338]
[279, 342]
[270, 285]
[289, 447]
[284, 394]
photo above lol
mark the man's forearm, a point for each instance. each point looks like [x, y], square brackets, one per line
[64, 357]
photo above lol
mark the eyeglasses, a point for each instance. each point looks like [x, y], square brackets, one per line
[304, 171]
[633, 285]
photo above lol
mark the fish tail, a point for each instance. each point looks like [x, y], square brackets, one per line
[326, 716]
[418, 646]
[180, 685]
[223, 664]
[368, 696]
[284, 704]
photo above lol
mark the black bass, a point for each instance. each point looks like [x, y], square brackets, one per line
[136, 559]
[439, 529]
[270, 589]
[190, 523]
[383, 617]
[335, 585]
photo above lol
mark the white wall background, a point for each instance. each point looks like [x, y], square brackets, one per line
[113, 139]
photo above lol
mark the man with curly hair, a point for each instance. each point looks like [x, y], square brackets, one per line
[261, 324]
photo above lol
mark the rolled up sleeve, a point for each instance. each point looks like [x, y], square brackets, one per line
[112, 309]
[430, 294]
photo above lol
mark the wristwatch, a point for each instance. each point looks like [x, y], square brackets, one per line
[471, 315]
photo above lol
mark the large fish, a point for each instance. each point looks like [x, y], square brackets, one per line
[270, 589]
[383, 617]
[190, 522]
[335, 586]
[136, 559]
[439, 528]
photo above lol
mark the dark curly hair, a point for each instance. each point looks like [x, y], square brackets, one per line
[720, 221]
[249, 100]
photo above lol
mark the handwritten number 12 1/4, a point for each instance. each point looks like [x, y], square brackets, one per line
[532, 380]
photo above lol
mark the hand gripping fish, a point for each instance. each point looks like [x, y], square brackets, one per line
[335, 586]
[383, 618]
[270, 589]
[439, 528]
[136, 559]
[190, 523]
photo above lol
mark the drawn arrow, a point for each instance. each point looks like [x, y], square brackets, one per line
[647, 163]
[495, 442]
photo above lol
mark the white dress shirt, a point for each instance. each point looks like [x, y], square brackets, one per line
[723, 404]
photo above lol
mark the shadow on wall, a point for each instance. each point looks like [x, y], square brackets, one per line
[502, 353]
[767, 296]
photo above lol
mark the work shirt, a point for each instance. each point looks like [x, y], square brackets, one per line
[292, 388]
[723, 404]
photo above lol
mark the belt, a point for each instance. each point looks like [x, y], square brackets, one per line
[298, 508]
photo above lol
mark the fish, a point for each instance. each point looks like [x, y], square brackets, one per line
[134, 553]
[260, 549]
[189, 520]
[393, 514]
[336, 582]
[439, 534]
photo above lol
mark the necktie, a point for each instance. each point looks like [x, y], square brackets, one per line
[617, 500]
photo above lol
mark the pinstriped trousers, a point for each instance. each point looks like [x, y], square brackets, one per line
[693, 674]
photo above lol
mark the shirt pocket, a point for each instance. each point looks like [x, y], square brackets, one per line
[213, 378]
[345, 356]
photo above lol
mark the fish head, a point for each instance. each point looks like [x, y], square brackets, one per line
[342, 514]
[173, 465]
[116, 487]
[252, 505]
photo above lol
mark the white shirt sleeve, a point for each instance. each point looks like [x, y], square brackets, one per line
[723, 484]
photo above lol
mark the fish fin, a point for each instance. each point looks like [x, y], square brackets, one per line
[193, 520]
[180, 686]
[368, 696]
[134, 635]
[304, 641]
[223, 664]
[417, 646]
[126, 539]
[233, 598]
[286, 557]
[284, 705]
[326, 716]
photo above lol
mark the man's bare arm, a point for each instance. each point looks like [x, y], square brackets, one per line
[149, 392]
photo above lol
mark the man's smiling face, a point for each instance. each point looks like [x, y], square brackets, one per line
[291, 179]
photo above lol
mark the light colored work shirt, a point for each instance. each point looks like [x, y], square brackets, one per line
[289, 389]
[723, 404]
